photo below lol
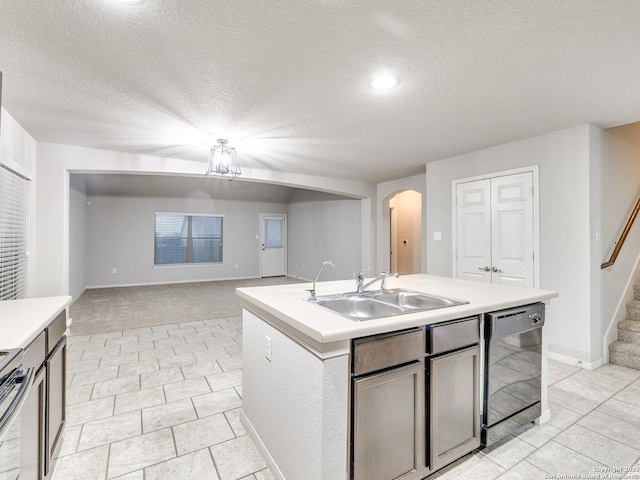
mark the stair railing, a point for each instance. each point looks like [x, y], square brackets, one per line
[623, 237]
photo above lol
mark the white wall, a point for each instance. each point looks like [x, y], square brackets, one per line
[77, 235]
[16, 144]
[120, 235]
[55, 162]
[323, 227]
[564, 160]
[296, 388]
[384, 193]
[18, 152]
[615, 185]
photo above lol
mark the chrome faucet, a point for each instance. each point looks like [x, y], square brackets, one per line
[312, 291]
[382, 277]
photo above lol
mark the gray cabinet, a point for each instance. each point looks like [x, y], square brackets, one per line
[387, 425]
[56, 399]
[388, 406]
[454, 413]
[415, 398]
[44, 413]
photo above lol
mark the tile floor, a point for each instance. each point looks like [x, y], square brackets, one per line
[162, 403]
[594, 430]
[158, 403]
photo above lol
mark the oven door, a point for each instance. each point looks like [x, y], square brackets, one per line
[13, 391]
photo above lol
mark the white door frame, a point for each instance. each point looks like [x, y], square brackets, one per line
[284, 239]
[393, 239]
[534, 169]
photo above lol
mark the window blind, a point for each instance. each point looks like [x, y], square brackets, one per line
[14, 199]
[184, 238]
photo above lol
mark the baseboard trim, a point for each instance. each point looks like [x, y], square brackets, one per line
[91, 287]
[576, 362]
[300, 278]
[261, 447]
[544, 417]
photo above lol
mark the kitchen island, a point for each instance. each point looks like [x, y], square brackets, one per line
[297, 365]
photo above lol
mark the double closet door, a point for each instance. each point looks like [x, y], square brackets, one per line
[495, 230]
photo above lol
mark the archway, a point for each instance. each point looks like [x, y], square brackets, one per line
[403, 211]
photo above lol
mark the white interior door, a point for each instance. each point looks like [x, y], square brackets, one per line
[273, 245]
[473, 226]
[495, 230]
[512, 230]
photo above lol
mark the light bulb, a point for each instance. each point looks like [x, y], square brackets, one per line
[383, 81]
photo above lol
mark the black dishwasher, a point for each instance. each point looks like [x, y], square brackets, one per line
[513, 359]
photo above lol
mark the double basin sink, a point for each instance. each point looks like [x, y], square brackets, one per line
[372, 305]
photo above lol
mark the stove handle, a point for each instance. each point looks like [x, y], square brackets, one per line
[14, 408]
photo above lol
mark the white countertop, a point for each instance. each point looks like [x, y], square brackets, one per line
[311, 322]
[22, 320]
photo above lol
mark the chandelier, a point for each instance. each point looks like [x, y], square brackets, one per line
[223, 161]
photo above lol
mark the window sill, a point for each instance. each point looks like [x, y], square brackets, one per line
[189, 265]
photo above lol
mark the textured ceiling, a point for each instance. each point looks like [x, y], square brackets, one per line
[286, 80]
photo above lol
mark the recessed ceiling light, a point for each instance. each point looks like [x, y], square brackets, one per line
[383, 81]
[128, 2]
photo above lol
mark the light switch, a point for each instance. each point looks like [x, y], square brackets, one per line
[437, 235]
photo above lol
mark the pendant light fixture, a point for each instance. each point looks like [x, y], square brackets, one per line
[223, 161]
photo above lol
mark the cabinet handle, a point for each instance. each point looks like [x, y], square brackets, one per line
[484, 269]
[496, 270]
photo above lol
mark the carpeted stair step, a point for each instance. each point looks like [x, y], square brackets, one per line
[629, 331]
[625, 354]
[636, 291]
[633, 310]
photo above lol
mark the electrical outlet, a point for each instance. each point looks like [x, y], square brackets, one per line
[113, 270]
[268, 352]
[437, 236]
[236, 265]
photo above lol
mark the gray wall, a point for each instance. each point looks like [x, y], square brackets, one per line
[120, 235]
[77, 235]
[564, 161]
[323, 227]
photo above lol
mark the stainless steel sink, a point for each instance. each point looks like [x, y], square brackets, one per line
[372, 305]
[359, 307]
[416, 300]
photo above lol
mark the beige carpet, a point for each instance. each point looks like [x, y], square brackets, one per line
[108, 309]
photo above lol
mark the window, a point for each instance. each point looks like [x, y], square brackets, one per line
[190, 238]
[14, 199]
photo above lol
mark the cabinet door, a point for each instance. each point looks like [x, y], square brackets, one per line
[32, 436]
[56, 388]
[388, 425]
[454, 412]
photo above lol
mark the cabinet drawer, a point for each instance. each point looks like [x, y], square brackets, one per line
[453, 335]
[55, 330]
[36, 352]
[383, 351]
